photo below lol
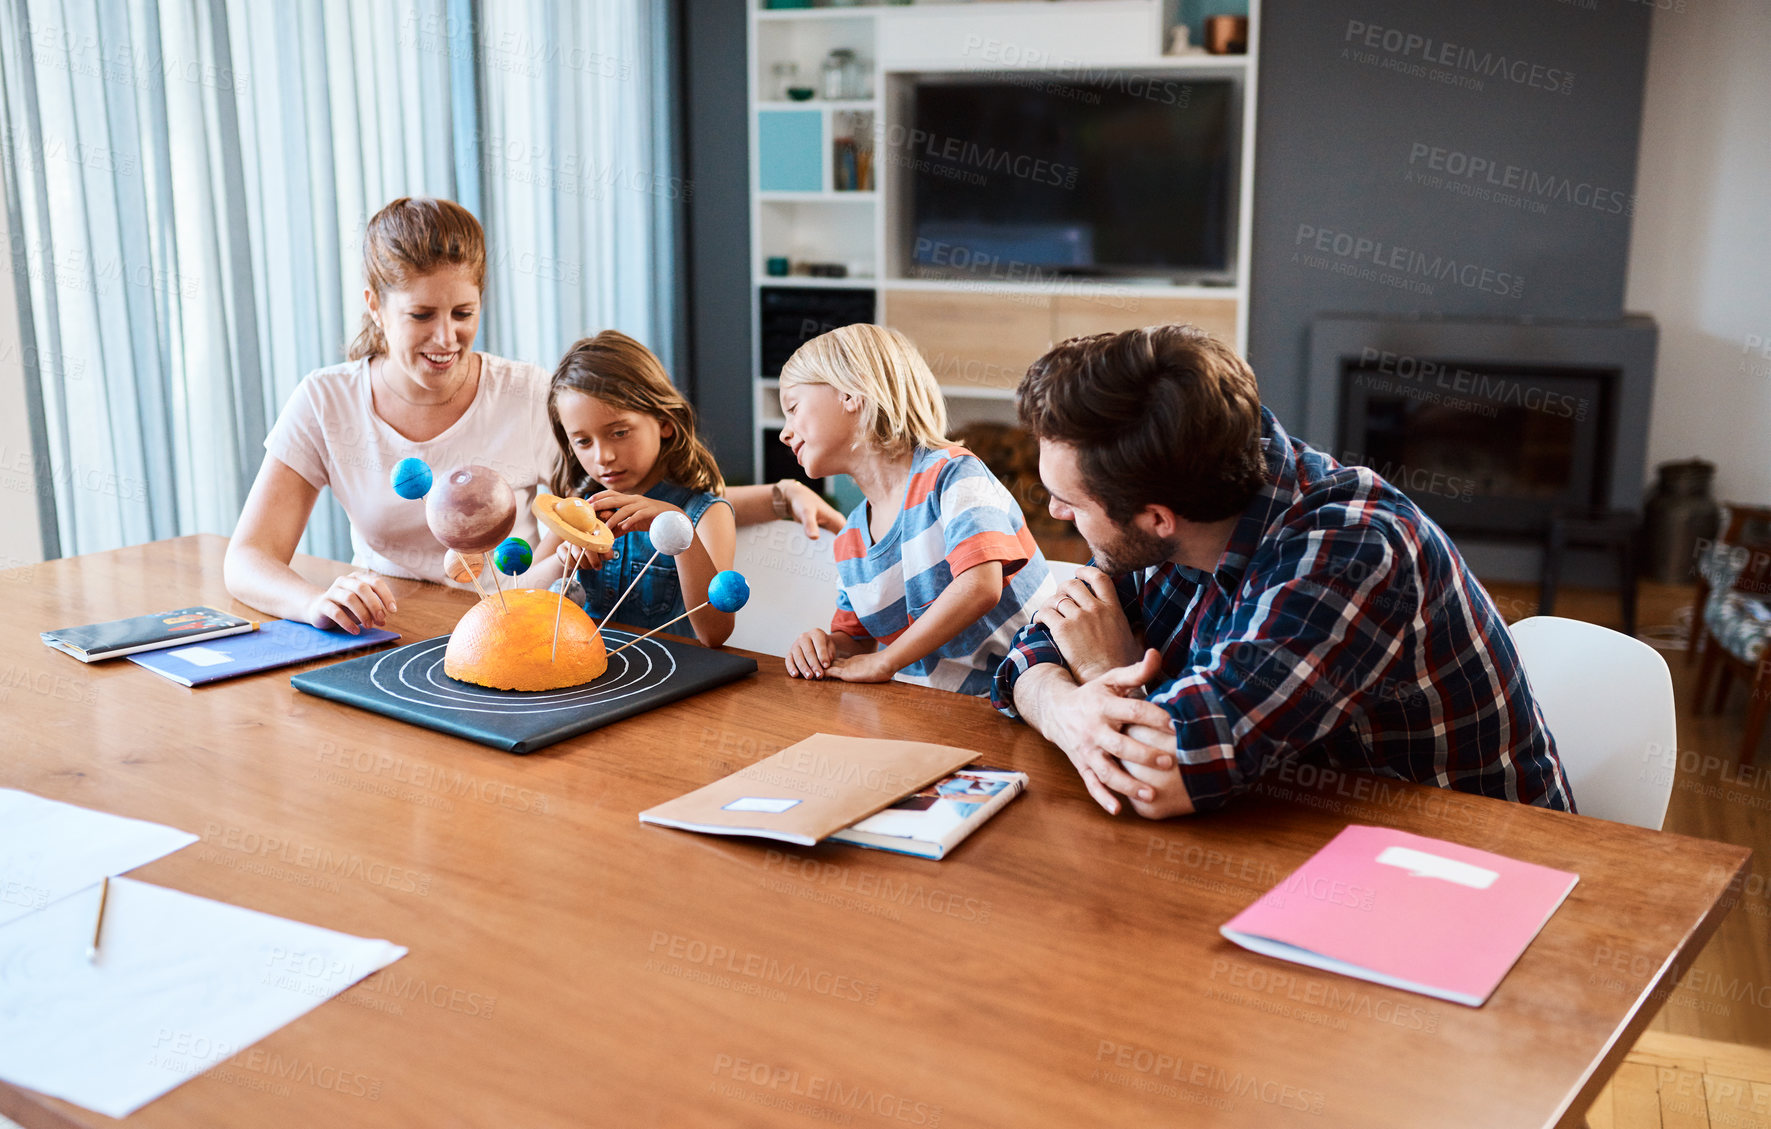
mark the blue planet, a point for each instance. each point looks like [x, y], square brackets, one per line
[411, 478]
[729, 591]
[513, 555]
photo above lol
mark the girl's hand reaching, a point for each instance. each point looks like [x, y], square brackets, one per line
[585, 558]
[809, 509]
[629, 513]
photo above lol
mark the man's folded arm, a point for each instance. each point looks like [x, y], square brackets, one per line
[1298, 663]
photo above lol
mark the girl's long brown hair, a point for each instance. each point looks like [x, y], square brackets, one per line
[619, 371]
[413, 236]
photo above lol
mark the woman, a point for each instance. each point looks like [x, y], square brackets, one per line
[412, 387]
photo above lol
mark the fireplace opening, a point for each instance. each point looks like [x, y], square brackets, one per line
[1491, 449]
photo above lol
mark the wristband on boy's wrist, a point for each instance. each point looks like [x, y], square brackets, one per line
[778, 500]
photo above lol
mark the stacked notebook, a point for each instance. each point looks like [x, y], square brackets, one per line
[196, 646]
[906, 796]
[934, 821]
[94, 642]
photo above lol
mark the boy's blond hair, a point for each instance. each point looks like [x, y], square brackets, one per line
[901, 403]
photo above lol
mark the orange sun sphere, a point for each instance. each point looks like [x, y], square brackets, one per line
[511, 649]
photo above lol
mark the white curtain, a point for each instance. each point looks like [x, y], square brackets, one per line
[187, 183]
[580, 177]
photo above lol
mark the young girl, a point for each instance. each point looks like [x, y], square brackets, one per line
[627, 444]
[937, 564]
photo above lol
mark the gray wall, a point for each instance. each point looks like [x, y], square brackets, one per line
[1346, 139]
[717, 157]
[1339, 149]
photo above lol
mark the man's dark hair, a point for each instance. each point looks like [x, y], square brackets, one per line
[1167, 415]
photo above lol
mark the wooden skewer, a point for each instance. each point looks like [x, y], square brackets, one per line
[660, 627]
[496, 587]
[609, 617]
[565, 580]
[474, 577]
[484, 595]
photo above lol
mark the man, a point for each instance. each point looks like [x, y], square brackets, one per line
[1284, 606]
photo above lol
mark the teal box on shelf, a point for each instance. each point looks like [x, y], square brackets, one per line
[790, 150]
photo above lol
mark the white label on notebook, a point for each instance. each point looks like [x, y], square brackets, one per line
[1419, 864]
[757, 803]
[202, 656]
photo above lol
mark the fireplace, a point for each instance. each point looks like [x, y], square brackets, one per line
[1486, 449]
[1490, 427]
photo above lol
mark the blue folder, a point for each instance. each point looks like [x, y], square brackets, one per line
[278, 643]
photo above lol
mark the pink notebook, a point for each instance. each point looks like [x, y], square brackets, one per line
[1398, 909]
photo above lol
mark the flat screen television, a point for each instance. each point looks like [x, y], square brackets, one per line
[1036, 176]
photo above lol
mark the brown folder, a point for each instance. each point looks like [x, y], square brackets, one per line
[811, 789]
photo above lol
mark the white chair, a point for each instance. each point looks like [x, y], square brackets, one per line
[792, 585]
[1060, 572]
[1608, 699]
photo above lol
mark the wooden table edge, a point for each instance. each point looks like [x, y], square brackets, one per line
[1572, 1114]
[34, 1110]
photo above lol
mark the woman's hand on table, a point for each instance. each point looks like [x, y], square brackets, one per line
[352, 602]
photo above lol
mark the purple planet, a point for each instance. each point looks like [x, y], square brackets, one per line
[471, 509]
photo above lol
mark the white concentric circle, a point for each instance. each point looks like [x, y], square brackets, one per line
[415, 674]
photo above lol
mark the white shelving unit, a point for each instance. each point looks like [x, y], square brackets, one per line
[798, 213]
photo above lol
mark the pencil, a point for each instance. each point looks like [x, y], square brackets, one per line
[104, 894]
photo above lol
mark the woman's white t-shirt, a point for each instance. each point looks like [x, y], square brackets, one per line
[330, 434]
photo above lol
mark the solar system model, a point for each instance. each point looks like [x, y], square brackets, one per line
[526, 639]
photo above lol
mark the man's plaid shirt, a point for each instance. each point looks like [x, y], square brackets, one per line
[1340, 625]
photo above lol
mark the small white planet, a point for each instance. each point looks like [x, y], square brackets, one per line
[671, 533]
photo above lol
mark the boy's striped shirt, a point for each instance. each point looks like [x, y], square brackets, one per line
[955, 516]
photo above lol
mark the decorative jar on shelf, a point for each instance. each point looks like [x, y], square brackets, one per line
[785, 75]
[842, 75]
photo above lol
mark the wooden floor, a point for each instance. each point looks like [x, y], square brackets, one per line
[1689, 1083]
[1725, 996]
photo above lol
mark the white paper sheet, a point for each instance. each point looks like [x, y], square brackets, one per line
[49, 849]
[181, 984]
[200, 655]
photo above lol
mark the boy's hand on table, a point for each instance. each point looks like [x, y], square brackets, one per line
[811, 654]
[870, 667]
[1088, 625]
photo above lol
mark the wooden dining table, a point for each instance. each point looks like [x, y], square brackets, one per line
[570, 966]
